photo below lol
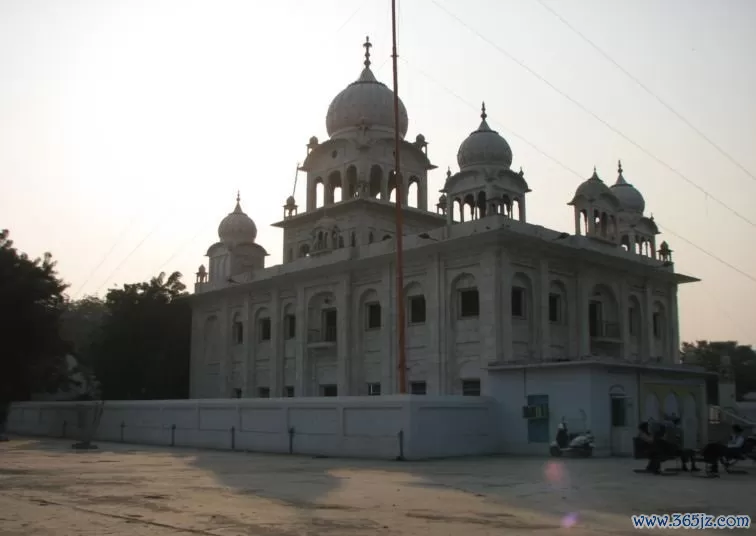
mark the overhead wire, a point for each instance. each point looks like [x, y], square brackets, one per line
[105, 257]
[648, 90]
[566, 167]
[329, 36]
[593, 114]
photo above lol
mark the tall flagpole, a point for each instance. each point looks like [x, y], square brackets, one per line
[400, 305]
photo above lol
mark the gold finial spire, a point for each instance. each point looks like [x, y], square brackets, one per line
[367, 46]
[448, 172]
[238, 196]
[619, 166]
[483, 114]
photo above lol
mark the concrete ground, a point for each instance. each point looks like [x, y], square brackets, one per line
[47, 489]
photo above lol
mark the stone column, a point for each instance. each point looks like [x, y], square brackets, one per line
[648, 328]
[247, 349]
[300, 385]
[224, 390]
[422, 192]
[578, 231]
[388, 330]
[505, 278]
[311, 193]
[674, 326]
[542, 316]
[573, 312]
[327, 191]
[582, 320]
[276, 345]
[251, 350]
[435, 300]
[489, 295]
[624, 319]
[344, 355]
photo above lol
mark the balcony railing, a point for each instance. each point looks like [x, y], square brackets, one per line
[327, 335]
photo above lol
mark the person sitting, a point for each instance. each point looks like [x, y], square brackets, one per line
[652, 449]
[670, 444]
[714, 452]
[734, 449]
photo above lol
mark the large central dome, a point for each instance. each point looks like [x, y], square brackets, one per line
[365, 101]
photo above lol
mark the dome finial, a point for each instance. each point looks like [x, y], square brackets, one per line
[619, 166]
[448, 172]
[367, 46]
[483, 114]
[238, 196]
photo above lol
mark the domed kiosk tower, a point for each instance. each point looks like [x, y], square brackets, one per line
[485, 184]
[236, 252]
[637, 233]
[358, 158]
[596, 209]
[351, 174]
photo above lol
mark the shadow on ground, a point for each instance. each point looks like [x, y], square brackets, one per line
[347, 496]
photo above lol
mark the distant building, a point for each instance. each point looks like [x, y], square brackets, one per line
[550, 324]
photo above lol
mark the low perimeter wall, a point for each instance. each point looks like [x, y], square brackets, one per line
[417, 427]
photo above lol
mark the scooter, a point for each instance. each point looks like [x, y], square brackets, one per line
[578, 444]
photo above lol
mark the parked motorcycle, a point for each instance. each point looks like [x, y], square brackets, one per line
[572, 444]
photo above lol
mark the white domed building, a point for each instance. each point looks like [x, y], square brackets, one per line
[545, 324]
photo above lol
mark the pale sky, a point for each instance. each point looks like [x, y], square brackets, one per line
[126, 127]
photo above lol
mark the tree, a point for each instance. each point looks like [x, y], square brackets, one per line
[709, 354]
[81, 322]
[32, 358]
[142, 350]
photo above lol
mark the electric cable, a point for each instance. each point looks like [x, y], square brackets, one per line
[648, 90]
[594, 115]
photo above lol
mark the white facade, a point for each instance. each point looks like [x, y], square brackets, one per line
[482, 284]
[546, 326]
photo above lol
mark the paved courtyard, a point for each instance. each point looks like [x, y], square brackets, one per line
[48, 489]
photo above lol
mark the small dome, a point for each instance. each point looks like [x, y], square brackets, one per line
[367, 102]
[237, 228]
[592, 188]
[290, 201]
[629, 197]
[484, 146]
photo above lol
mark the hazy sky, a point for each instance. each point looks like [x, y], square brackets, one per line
[126, 127]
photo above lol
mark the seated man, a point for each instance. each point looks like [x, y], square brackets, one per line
[670, 444]
[735, 446]
[714, 452]
[654, 455]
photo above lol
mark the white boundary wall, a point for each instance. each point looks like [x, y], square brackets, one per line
[363, 427]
